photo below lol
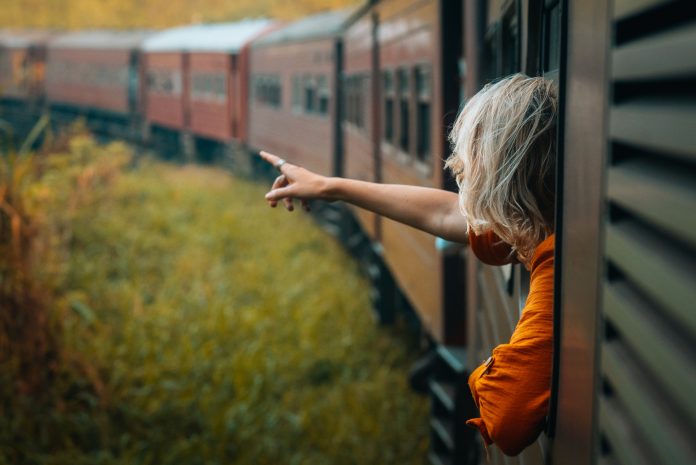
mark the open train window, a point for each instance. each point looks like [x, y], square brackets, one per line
[354, 91]
[423, 97]
[310, 94]
[347, 99]
[502, 49]
[268, 91]
[551, 39]
[404, 113]
[360, 102]
[296, 94]
[510, 46]
[388, 93]
[323, 95]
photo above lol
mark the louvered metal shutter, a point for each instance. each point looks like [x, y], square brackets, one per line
[647, 403]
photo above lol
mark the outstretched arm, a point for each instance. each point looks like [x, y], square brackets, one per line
[435, 211]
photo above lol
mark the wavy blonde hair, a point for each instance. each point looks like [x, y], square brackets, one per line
[504, 152]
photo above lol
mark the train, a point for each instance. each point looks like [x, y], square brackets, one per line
[370, 93]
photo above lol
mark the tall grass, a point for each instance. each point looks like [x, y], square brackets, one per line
[29, 341]
[191, 324]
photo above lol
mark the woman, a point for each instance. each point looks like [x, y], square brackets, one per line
[504, 163]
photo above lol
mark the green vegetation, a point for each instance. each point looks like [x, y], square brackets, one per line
[151, 14]
[192, 324]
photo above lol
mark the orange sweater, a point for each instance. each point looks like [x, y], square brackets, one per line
[512, 387]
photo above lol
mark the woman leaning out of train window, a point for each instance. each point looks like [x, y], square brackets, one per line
[504, 162]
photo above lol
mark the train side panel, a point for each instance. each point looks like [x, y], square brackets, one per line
[164, 89]
[93, 79]
[359, 144]
[411, 150]
[291, 106]
[210, 95]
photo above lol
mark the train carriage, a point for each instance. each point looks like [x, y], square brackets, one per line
[294, 89]
[23, 64]
[95, 71]
[360, 143]
[416, 93]
[197, 79]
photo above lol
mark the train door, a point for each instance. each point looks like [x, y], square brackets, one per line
[628, 352]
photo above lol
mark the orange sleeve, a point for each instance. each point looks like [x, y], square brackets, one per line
[512, 388]
[490, 249]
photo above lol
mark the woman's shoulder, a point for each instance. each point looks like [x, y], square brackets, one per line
[490, 249]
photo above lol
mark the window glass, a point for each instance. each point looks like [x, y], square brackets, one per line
[404, 110]
[323, 95]
[310, 94]
[423, 112]
[552, 37]
[388, 92]
[296, 93]
[267, 90]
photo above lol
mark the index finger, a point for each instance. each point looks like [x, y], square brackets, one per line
[269, 157]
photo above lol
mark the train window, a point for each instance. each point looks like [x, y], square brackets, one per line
[354, 90]
[551, 50]
[267, 90]
[310, 94]
[347, 100]
[510, 42]
[221, 86]
[388, 92]
[502, 50]
[359, 104]
[323, 95]
[277, 99]
[404, 113]
[423, 92]
[296, 94]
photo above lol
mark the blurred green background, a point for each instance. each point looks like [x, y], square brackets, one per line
[156, 313]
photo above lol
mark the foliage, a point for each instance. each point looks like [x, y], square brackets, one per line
[199, 326]
[124, 14]
[29, 347]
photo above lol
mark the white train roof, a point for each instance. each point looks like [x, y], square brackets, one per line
[317, 26]
[221, 37]
[101, 39]
[21, 38]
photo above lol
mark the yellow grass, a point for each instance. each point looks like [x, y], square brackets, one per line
[201, 326]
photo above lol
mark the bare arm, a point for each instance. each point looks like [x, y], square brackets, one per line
[431, 210]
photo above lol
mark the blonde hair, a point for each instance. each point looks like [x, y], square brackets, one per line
[504, 151]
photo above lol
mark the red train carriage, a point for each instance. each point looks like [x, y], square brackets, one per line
[22, 64]
[95, 70]
[360, 142]
[414, 96]
[197, 78]
[294, 82]
[397, 109]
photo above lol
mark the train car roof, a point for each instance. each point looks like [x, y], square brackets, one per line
[221, 37]
[100, 39]
[318, 26]
[22, 38]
